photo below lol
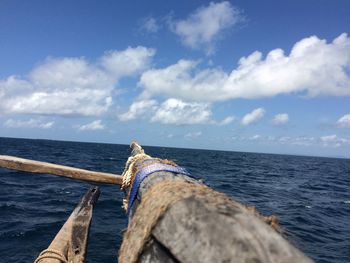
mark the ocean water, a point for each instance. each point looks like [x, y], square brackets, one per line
[309, 195]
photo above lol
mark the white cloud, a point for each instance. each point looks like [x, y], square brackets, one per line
[334, 141]
[193, 135]
[173, 111]
[329, 138]
[71, 86]
[92, 126]
[149, 25]
[281, 118]
[59, 86]
[127, 62]
[303, 141]
[253, 116]
[255, 137]
[344, 121]
[296, 141]
[282, 140]
[31, 123]
[204, 26]
[142, 108]
[313, 66]
[227, 120]
[176, 81]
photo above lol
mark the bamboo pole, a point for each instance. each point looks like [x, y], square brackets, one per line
[26, 165]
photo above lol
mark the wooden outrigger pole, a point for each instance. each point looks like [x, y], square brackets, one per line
[25, 165]
[174, 218]
[70, 243]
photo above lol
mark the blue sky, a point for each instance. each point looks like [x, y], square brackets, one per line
[260, 76]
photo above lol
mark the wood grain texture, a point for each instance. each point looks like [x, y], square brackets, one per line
[155, 252]
[71, 241]
[196, 229]
[20, 164]
[176, 218]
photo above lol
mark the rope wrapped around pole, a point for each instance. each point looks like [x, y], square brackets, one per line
[176, 218]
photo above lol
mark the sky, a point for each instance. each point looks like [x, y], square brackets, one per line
[256, 76]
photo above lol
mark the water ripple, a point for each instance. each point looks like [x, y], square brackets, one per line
[309, 195]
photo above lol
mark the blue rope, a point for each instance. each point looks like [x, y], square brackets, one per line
[152, 168]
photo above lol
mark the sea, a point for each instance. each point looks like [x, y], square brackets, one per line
[309, 195]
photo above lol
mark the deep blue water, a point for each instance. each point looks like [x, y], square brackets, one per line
[310, 196]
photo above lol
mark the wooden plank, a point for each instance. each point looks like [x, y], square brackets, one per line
[205, 227]
[202, 227]
[20, 164]
[71, 241]
[196, 231]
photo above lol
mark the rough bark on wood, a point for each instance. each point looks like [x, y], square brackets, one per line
[20, 164]
[198, 229]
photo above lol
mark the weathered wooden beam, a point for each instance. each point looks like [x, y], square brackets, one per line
[70, 243]
[136, 148]
[26, 165]
[178, 219]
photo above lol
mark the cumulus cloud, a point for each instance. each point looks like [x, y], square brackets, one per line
[173, 111]
[92, 126]
[303, 141]
[205, 25]
[142, 108]
[71, 86]
[282, 140]
[329, 138]
[333, 141]
[227, 120]
[149, 25]
[297, 141]
[281, 118]
[313, 67]
[253, 116]
[127, 62]
[344, 121]
[176, 81]
[31, 123]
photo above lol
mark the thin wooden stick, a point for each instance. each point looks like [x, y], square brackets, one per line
[26, 165]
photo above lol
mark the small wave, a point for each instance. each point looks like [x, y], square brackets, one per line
[307, 194]
[12, 234]
[10, 208]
